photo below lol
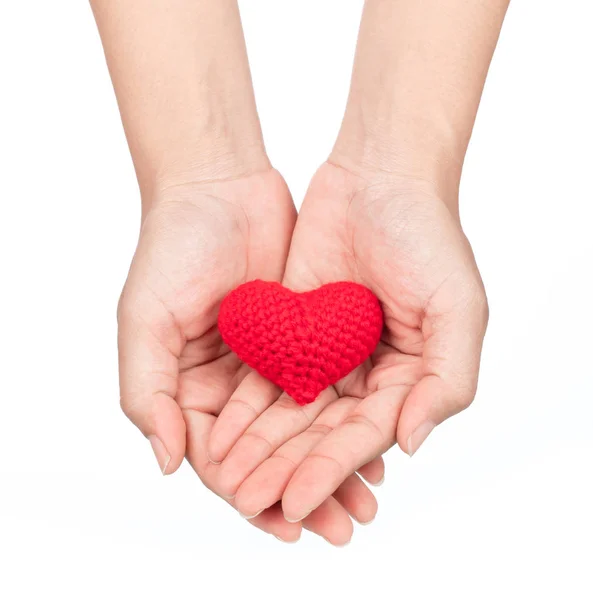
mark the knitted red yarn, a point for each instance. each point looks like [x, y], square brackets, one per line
[301, 342]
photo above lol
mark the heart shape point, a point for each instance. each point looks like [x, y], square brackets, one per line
[303, 342]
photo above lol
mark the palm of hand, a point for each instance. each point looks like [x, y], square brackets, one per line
[404, 244]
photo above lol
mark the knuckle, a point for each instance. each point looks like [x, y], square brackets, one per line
[283, 458]
[243, 405]
[259, 438]
[320, 428]
[129, 406]
[141, 413]
[463, 397]
[329, 461]
[361, 420]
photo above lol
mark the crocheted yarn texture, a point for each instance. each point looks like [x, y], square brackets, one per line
[302, 342]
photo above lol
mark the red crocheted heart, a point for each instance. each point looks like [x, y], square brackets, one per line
[302, 342]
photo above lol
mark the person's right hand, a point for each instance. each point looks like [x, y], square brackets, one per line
[198, 242]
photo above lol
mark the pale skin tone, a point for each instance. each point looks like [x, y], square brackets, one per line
[382, 211]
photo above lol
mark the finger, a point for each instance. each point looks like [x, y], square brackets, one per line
[284, 420]
[368, 431]
[149, 347]
[265, 486]
[373, 472]
[357, 499]
[451, 361]
[272, 521]
[199, 428]
[253, 395]
[330, 520]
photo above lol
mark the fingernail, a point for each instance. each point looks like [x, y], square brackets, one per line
[418, 436]
[380, 482]
[214, 462]
[163, 457]
[251, 516]
[286, 541]
[366, 522]
[299, 519]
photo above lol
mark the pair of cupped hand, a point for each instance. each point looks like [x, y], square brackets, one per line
[281, 465]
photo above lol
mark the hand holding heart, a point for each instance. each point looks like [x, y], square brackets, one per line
[248, 440]
[198, 242]
[404, 244]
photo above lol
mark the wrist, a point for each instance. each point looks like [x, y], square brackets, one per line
[245, 188]
[183, 85]
[213, 145]
[393, 147]
[416, 84]
[208, 160]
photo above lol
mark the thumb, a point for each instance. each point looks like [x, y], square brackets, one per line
[149, 344]
[451, 361]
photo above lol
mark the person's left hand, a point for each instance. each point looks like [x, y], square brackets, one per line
[403, 242]
[198, 241]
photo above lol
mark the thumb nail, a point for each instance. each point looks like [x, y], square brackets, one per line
[162, 455]
[418, 436]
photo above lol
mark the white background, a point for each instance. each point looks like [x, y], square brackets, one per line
[497, 504]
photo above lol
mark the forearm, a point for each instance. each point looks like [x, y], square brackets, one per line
[181, 76]
[418, 76]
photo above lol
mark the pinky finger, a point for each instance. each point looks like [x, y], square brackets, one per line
[330, 521]
[373, 472]
[357, 499]
[272, 521]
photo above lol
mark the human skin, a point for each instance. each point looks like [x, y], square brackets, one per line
[214, 215]
[383, 211]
